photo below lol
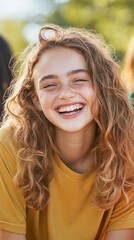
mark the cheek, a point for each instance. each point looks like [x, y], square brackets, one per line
[88, 94]
[95, 107]
[46, 100]
[90, 97]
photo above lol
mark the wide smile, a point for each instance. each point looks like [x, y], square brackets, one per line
[70, 110]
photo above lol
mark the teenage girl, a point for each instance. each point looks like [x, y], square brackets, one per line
[66, 143]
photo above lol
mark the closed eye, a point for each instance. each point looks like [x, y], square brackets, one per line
[80, 80]
[50, 85]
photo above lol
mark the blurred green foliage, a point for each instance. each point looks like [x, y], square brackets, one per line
[114, 19]
[12, 31]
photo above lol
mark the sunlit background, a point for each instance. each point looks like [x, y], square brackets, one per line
[20, 20]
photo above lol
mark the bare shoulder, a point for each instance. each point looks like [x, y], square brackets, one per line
[5, 235]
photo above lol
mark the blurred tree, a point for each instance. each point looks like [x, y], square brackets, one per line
[112, 18]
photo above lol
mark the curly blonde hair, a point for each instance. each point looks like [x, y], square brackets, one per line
[113, 150]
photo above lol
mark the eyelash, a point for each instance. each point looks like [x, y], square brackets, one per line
[50, 85]
[80, 80]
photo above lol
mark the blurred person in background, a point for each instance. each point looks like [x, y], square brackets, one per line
[128, 71]
[5, 68]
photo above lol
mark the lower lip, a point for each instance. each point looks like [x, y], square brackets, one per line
[72, 115]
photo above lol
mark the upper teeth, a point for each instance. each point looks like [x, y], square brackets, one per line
[70, 108]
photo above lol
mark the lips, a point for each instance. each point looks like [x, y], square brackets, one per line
[70, 109]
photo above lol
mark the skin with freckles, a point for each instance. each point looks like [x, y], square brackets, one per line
[65, 95]
[66, 87]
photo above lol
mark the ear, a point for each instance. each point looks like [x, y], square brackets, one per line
[36, 103]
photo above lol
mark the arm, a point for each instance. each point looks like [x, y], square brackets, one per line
[4, 235]
[124, 234]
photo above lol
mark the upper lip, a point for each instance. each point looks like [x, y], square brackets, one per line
[70, 107]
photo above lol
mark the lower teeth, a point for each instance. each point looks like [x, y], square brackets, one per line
[69, 113]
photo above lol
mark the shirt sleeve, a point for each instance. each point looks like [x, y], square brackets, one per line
[12, 204]
[123, 214]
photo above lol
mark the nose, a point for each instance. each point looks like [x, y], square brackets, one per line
[66, 92]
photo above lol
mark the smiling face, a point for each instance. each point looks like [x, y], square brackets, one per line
[64, 89]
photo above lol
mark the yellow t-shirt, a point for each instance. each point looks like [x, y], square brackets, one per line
[70, 214]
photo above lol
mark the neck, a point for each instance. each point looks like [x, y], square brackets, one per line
[75, 147]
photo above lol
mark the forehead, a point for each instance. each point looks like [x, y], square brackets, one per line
[59, 59]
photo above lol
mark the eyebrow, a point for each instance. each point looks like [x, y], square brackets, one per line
[52, 76]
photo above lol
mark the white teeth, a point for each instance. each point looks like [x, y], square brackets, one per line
[70, 108]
